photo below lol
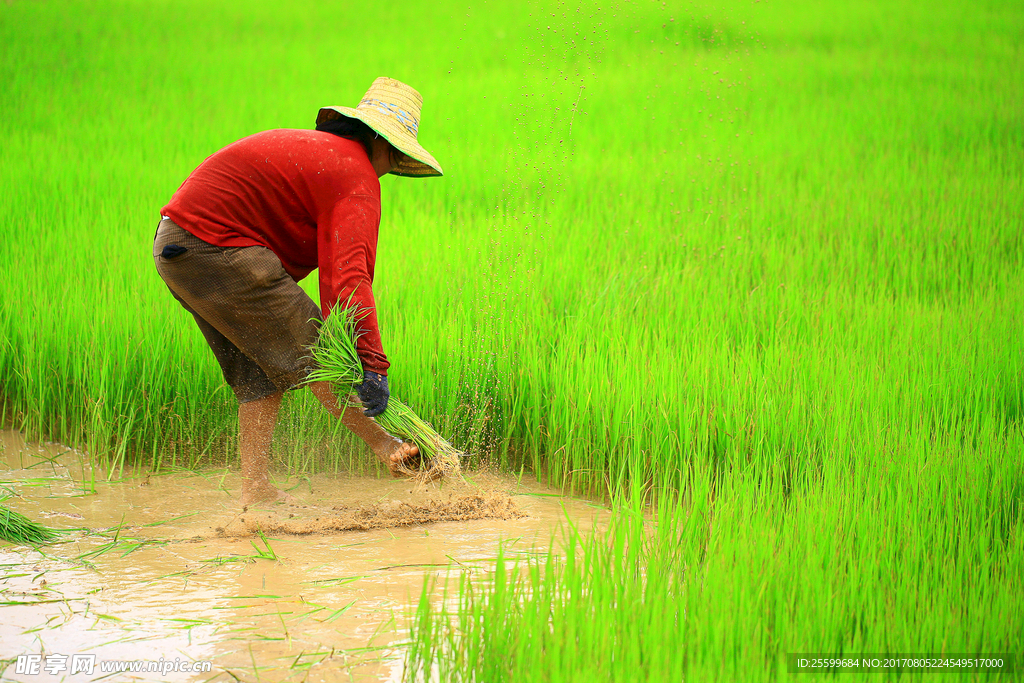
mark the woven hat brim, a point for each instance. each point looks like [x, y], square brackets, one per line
[419, 163]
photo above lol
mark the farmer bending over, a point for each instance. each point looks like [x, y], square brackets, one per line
[257, 217]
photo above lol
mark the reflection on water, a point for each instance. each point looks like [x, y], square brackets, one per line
[157, 581]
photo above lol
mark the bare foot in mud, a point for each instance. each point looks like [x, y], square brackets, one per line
[266, 494]
[401, 457]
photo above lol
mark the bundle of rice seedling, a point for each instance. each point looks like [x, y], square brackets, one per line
[17, 528]
[335, 354]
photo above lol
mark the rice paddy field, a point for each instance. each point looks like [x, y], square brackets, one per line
[748, 273]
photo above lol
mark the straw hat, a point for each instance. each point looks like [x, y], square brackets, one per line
[392, 109]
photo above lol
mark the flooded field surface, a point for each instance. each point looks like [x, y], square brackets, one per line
[169, 567]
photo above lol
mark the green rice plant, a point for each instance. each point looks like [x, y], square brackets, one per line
[264, 553]
[17, 528]
[729, 581]
[339, 364]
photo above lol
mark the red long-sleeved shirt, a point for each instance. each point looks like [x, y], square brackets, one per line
[312, 198]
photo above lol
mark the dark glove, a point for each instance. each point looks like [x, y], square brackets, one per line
[373, 392]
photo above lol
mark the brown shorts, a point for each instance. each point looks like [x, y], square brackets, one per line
[255, 317]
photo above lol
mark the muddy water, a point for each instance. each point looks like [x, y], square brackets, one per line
[148, 572]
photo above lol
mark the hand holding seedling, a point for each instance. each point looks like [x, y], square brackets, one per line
[339, 366]
[373, 392]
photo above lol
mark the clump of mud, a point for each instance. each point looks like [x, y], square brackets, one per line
[413, 503]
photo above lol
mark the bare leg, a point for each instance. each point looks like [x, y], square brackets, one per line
[256, 421]
[392, 452]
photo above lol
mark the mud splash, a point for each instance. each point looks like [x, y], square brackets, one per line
[385, 514]
[458, 498]
[167, 566]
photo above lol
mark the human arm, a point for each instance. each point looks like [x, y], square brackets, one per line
[346, 254]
